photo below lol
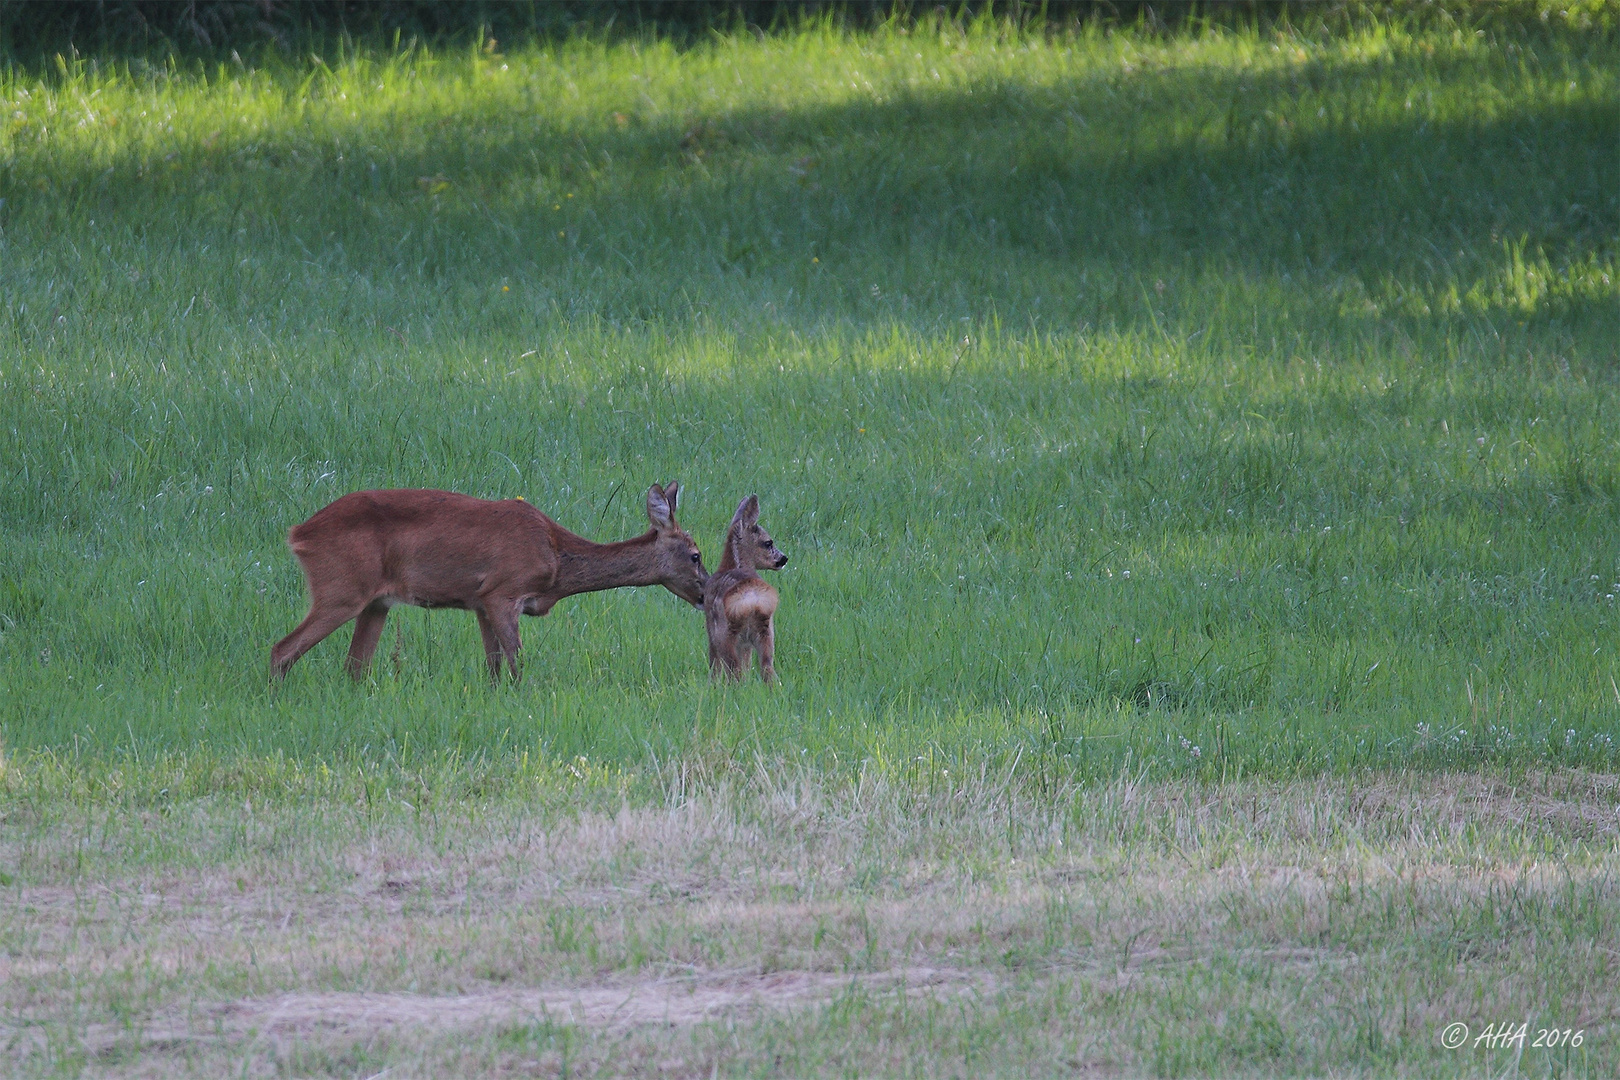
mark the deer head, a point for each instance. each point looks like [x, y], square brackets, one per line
[680, 565]
[748, 546]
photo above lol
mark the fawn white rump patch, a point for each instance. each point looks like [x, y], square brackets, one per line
[752, 600]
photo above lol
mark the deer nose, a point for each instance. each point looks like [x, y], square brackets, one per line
[781, 561]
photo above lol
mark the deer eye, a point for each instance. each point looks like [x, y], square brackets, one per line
[767, 544]
[696, 557]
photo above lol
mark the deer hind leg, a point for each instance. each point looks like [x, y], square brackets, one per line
[368, 628]
[723, 658]
[715, 623]
[323, 618]
[767, 649]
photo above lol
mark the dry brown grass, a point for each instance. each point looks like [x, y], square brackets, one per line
[785, 920]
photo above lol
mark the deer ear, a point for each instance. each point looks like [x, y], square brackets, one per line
[671, 493]
[748, 510]
[660, 508]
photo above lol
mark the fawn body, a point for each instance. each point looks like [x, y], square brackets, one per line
[371, 550]
[739, 608]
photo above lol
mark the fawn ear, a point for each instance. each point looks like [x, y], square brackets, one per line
[747, 511]
[661, 507]
[671, 493]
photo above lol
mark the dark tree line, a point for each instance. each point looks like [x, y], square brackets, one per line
[32, 29]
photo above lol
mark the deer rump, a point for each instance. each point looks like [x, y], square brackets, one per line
[740, 600]
[751, 599]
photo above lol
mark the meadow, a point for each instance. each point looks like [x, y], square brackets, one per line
[1162, 426]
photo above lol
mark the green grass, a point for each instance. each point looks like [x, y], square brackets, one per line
[1253, 389]
[1175, 438]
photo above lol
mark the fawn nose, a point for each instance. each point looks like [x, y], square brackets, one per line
[781, 561]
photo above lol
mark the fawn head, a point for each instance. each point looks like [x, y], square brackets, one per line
[747, 545]
[680, 565]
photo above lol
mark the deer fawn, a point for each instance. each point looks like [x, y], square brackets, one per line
[371, 550]
[738, 606]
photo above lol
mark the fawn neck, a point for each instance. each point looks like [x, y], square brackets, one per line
[583, 566]
[728, 554]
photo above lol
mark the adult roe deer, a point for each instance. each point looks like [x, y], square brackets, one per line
[371, 550]
[739, 608]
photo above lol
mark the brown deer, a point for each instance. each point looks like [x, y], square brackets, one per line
[739, 608]
[371, 550]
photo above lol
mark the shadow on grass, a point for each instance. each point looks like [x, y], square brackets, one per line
[1074, 195]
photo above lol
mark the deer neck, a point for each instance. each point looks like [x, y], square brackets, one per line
[583, 566]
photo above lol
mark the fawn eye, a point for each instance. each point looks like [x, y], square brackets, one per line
[696, 557]
[767, 543]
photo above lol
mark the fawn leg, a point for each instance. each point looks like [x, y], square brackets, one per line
[730, 655]
[767, 650]
[321, 621]
[723, 662]
[368, 628]
[730, 666]
[719, 635]
[717, 652]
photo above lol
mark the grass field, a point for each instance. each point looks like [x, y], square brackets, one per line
[1223, 417]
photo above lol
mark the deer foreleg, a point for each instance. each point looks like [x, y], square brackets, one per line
[492, 645]
[503, 622]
